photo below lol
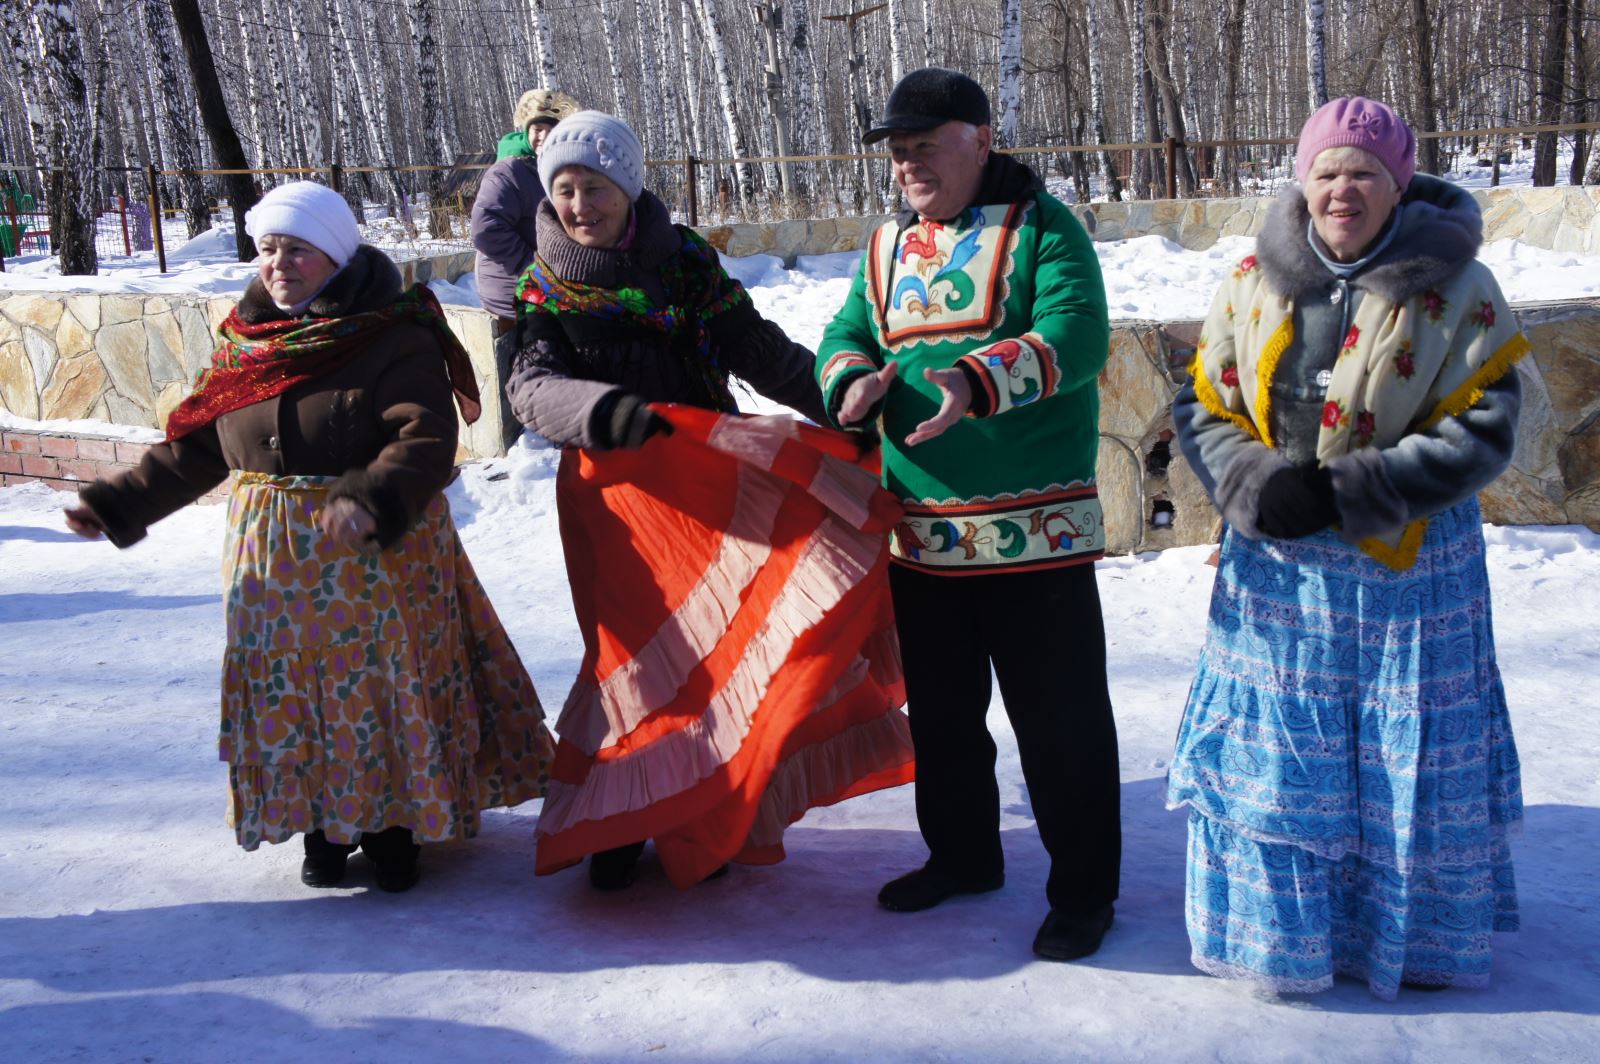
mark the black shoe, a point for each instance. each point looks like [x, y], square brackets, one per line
[613, 869]
[394, 855]
[1426, 988]
[324, 863]
[1063, 937]
[927, 887]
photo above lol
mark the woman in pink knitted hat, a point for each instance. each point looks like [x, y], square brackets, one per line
[1346, 754]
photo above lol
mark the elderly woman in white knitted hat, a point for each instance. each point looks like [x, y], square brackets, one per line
[622, 309]
[369, 694]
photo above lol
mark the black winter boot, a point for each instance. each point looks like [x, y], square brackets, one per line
[613, 869]
[395, 856]
[324, 863]
[1065, 937]
[928, 886]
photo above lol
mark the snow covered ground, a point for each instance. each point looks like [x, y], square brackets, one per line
[132, 928]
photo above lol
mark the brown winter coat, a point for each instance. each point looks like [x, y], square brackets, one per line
[384, 423]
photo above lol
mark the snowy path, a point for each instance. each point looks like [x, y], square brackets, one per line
[132, 928]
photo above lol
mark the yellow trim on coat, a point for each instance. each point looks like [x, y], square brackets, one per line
[1471, 390]
[1206, 392]
[1266, 368]
[1403, 555]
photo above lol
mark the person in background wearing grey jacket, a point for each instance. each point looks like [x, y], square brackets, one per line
[503, 214]
[1346, 752]
[621, 309]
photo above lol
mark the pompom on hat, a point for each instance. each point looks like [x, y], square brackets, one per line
[310, 212]
[542, 105]
[1357, 122]
[602, 142]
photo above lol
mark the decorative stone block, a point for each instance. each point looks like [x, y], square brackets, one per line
[122, 349]
[42, 312]
[75, 387]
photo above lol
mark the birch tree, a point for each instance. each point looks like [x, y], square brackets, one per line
[1010, 71]
[711, 32]
[179, 142]
[1316, 55]
[218, 123]
[72, 182]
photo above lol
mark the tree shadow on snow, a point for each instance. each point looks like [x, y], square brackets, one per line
[28, 606]
[215, 1026]
[37, 535]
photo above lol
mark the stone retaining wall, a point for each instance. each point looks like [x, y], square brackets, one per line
[1561, 219]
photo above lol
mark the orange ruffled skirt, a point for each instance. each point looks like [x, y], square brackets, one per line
[740, 660]
[365, 689]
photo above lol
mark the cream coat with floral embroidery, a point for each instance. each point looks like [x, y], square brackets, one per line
[1401, 367]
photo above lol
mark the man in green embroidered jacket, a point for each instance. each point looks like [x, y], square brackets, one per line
[974, 335]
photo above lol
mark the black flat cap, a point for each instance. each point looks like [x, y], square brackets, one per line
[931, 97]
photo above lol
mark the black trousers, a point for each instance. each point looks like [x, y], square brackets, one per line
[1043, 634]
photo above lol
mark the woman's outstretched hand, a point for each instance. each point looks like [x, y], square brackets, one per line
[347, 523]
[81, 519]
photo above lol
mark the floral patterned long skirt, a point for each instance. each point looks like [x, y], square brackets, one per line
[364, 689]
[1347, 759]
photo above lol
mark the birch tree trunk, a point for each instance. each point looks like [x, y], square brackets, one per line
[1141, 99]
[897, 40]
[1422, 31]
[72, 184]
[425, 49]
[352, 68]
[1110, 184]
[225, 144]
[1316, 54]
[802, 82]
[1010, 71]
[543, 45]
[181, 151]
[711, 29]
[25, 53]
[1228, 156]
[1552, 67]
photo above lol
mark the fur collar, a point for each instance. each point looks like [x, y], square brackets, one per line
[655, 240]
[1440, 231]
[369, 281]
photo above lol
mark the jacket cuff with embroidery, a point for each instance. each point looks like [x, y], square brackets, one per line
[1010, 373]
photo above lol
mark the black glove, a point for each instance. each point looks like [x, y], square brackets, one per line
[630, 422]
[1295, 502]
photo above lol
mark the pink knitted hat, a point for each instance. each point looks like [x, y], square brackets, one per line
[1357, 122]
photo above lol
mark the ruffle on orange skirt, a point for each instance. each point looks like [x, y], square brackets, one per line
[365, 689]
[740, 665]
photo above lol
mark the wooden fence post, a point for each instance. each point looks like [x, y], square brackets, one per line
[1172, 168]
[694, 198]
[153, 184]
[336, 178]
[122, 213]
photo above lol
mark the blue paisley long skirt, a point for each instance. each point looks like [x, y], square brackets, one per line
[1347, 760]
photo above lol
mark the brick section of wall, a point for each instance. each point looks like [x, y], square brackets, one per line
[66, 462]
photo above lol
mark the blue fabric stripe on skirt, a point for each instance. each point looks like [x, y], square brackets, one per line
[1347, 757]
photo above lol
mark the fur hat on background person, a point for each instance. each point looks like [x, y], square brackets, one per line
[930, 97]
[602, 142]
[310, 212]
[1357, 122]
[542, 105]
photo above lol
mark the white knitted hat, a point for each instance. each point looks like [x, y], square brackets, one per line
[599, 141]
[311, 212]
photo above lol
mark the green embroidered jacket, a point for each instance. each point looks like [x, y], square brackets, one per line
[1011, 291]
